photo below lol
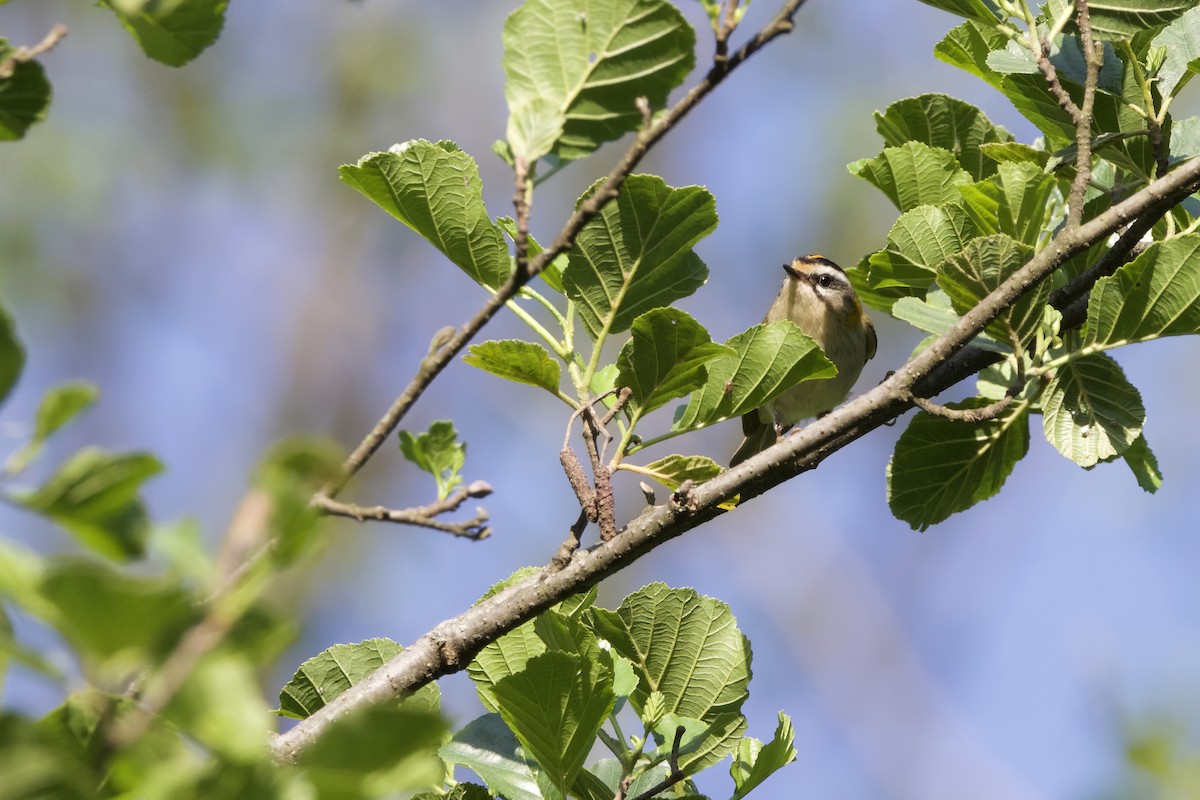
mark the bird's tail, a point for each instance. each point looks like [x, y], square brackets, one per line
[759, 436]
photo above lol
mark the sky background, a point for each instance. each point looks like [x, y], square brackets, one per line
[180, 237]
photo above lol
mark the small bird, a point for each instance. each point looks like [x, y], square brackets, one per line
[818, 297]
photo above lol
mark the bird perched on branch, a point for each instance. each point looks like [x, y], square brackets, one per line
[818, 297]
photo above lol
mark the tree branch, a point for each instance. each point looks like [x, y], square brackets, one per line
[420, 516]
[450, 646]
[21, 55]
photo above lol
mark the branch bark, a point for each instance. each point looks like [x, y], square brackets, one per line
[450, 646]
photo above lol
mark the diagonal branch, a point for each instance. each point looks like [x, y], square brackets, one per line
[441, 355]
[450, 646]
[420, 516]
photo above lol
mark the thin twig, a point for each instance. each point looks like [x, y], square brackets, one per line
[432, 365]
[567, 549]
[674, 776]
[419, 516]
[22, 55]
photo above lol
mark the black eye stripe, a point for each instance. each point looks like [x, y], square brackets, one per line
[817, 258]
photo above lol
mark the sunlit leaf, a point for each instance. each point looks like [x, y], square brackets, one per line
[944, 122]
[171, 31]
[438, 452]
[1013, 201]
[1091, 412]
[913, 174]
[754, 762]
[665, 358]
[517, 360]
[1157, 294]
[979, 269]
[487, 747]
[325, 676]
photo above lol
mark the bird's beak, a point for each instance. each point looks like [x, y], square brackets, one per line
[797, 274]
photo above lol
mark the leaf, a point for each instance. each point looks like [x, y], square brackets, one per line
[60, 405]
[983, 10]
[637, 253]
[488, 748]
[504, 657]
[438, 452]
[24, 100]
[555, 706]
[1181, 41]
[94, 496]
[551, 274]
[1157, 294]
[1121, 19]
[935, 315]
[12, 354]
[1013, 202]
[1144, 465]
[767, 360]
[674, 470]
[325, 676]
[378, 751]
[517, 360]
[704, 743]
[979, 269]
[435, 190]
[913, 174]
[1015, 153]
[943, 122]
[574, 69]
[1091, 412]
[919, 241]
[221, 706]
[665, 358]
[942, 466]
[290, 472]
[755, 762]
[968, 46]
[172, 32]
[682, 644]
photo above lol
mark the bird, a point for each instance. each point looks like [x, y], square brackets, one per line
[818, 297]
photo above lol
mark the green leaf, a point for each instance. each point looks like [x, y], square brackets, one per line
[1144, 465]
[438, 452]
[755, 762]
[913, 174]
[1121, 19]
[704, 743]
[1091, 412]
[1015, 153]
[325, 676]
[435, 190]
[221, 705]
[574, 69]
[935, 315]
[94, 496]
[1181, 40]
[517, 360]
[979, 269]
[551, 275]
[968, 46]
[460, 791]
[637, 253]
[12, 354]
[767, 360]
[674, 470]
[1013, 202]
[378, 751]
[114, 617]
[566, 634]
[556, 706]
[488, 748]
[504, 657]
[666, 358]
[943, 122]
[982, 10]
[290, 472]
[59, 405]
[682, 644]
[919, 241]
[943, 466]
[1157, 294]
[172, 32]
[24, 100]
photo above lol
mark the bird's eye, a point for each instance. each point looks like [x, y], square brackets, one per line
[825, 280]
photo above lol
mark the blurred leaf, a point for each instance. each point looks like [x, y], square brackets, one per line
[377, 752]
[1181, 40]
[438, 452]
[682, 644]
[574, 69]
[637, 253]
[435, 190]
[325, 676]
[39, 764]
[12, 354]
[704, 742]
[172, 32]
[488, 748]
[555, 706]
[983, 10]
[755, 762]
[24, 100]
[913, 174]
[1141, 461]
[935, 315]
[94, 496]
[979, 269]
[767, 360]
[517, 360]
[60, 405]
[1013, 202]
[665, 358]
[1091, 412]
[291, 471]
[112, 616]
[943, 122]
[1157, 294]
[220, 705]
[944, 466]
[919, 241]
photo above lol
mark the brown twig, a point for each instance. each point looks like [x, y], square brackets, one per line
[450, 645]
[567, 549]
[22, 55]
[673, 777]
[420, 516]
[432, 365]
